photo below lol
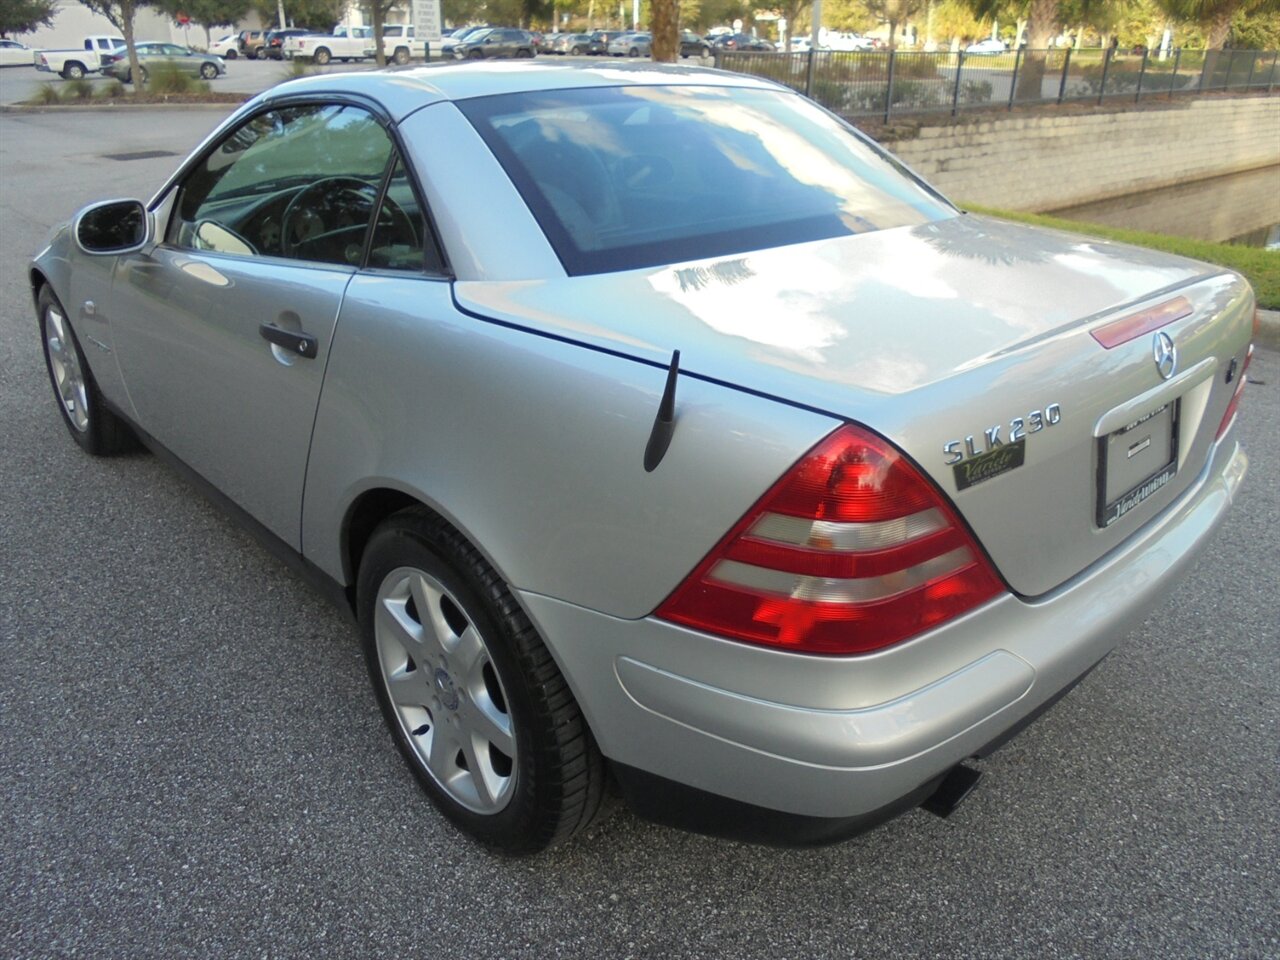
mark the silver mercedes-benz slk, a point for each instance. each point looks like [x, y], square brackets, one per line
[658, 428]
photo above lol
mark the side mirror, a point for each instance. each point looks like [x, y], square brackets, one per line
[113, 226]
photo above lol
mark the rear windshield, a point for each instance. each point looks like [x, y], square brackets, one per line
[626, 177]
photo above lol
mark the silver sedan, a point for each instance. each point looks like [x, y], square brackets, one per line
[657, 426]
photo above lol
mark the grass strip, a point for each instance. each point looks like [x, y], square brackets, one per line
[1260, 267]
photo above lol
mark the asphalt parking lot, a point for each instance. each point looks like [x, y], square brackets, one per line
[193, 764]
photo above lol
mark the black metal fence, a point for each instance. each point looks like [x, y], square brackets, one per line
[885, 83]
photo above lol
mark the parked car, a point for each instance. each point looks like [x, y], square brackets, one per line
[573, 44]
[988, 47]
[273, 43]
[15, 54]
[458, 36]
[847, 41]
[399, 44]
[77, 62]
[743, 469]
[692, 45]
[228, 47]
[494, 42]
[743, 42]
[197, 64]
[601, 40]
[252, 43]
[630, 45]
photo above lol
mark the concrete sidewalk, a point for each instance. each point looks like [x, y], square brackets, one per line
[1269, 329]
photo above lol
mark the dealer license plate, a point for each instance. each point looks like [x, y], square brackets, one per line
[1136, 461]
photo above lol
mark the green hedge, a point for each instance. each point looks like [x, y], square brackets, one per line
[1260, 267]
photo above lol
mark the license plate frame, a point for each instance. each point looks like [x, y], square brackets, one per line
[1110, 511]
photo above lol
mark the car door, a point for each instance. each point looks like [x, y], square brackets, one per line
[222, 330]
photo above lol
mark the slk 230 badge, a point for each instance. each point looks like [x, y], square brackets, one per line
[980, 457]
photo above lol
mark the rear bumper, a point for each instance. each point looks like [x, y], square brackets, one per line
[851, 738]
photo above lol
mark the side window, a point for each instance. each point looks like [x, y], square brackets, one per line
[401, 240]
[297, 182]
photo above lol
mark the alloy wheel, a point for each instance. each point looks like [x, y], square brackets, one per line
[68, 377]
[445, 691]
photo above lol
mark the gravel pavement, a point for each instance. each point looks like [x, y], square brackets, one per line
[193, 763]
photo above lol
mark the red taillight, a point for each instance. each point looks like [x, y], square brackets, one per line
[851, 551]
[1234, 405]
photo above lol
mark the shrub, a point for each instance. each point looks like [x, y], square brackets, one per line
[79, 89]
[112, 91]
[48, 94]
[166, 78]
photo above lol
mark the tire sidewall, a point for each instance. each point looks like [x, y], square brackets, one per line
[401, 544]
[87, 439]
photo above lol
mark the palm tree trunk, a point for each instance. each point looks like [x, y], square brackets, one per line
[666, 30]
[1042, 21]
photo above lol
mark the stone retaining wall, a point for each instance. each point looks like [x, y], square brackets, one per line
[1048, 161]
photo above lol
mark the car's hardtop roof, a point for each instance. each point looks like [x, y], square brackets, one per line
[402, 91]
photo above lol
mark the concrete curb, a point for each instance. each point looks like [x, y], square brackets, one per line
[1268, 329]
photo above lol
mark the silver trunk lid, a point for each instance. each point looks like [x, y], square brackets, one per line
[936, 334]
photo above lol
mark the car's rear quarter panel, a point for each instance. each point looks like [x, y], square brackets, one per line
[533, 448]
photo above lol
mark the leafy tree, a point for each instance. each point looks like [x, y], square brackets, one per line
[1043, 21]
[120, 14]
[894, 13]
[207, 13]
[790, 10]
[318, 15]
[1215, 16]
[23, 16]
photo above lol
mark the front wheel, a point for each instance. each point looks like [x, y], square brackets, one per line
[95, 428]
[475, 55]
[229, 55]
[208, 71]
[473, 698]
[73, 71]
[576, 51]
[322, 56]
[633, 52]
[401, 56]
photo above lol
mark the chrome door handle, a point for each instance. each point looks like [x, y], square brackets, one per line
[303, 344]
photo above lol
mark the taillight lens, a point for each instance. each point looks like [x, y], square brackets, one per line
[1234, 405]
[853, 550]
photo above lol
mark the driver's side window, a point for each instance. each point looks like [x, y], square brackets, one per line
[297, 182]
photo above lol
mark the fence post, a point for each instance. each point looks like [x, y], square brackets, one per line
[808, 76]
[1142, 72]
[1253, 62]
[1062, 87]
[955, 93]
[1013, 81]
[1106, 68]
[1271, 77]
[1173, 77]
[888, 94]
[1231, 62]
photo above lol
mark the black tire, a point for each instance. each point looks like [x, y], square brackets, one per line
[208, 71]
[230, 55]
[145, 76]
[102, 433]
[524, 54]
[73, 71]
[257, 53]
[706, 51]
[576, 51]
[633, 52]
[401, 56]
[557, 774]
[322, 56]
[475, 55]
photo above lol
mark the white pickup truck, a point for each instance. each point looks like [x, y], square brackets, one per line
[345, 43]
[77, 63]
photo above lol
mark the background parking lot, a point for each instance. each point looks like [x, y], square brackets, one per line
[193, 763]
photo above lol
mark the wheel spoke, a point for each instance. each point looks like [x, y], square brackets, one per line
[436, 631]
[409, 688]
[483, 719]
[481, 771]
[395, 622]
[439, 758]
[468, 656]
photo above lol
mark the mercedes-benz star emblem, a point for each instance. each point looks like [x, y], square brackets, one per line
[1165, 355]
